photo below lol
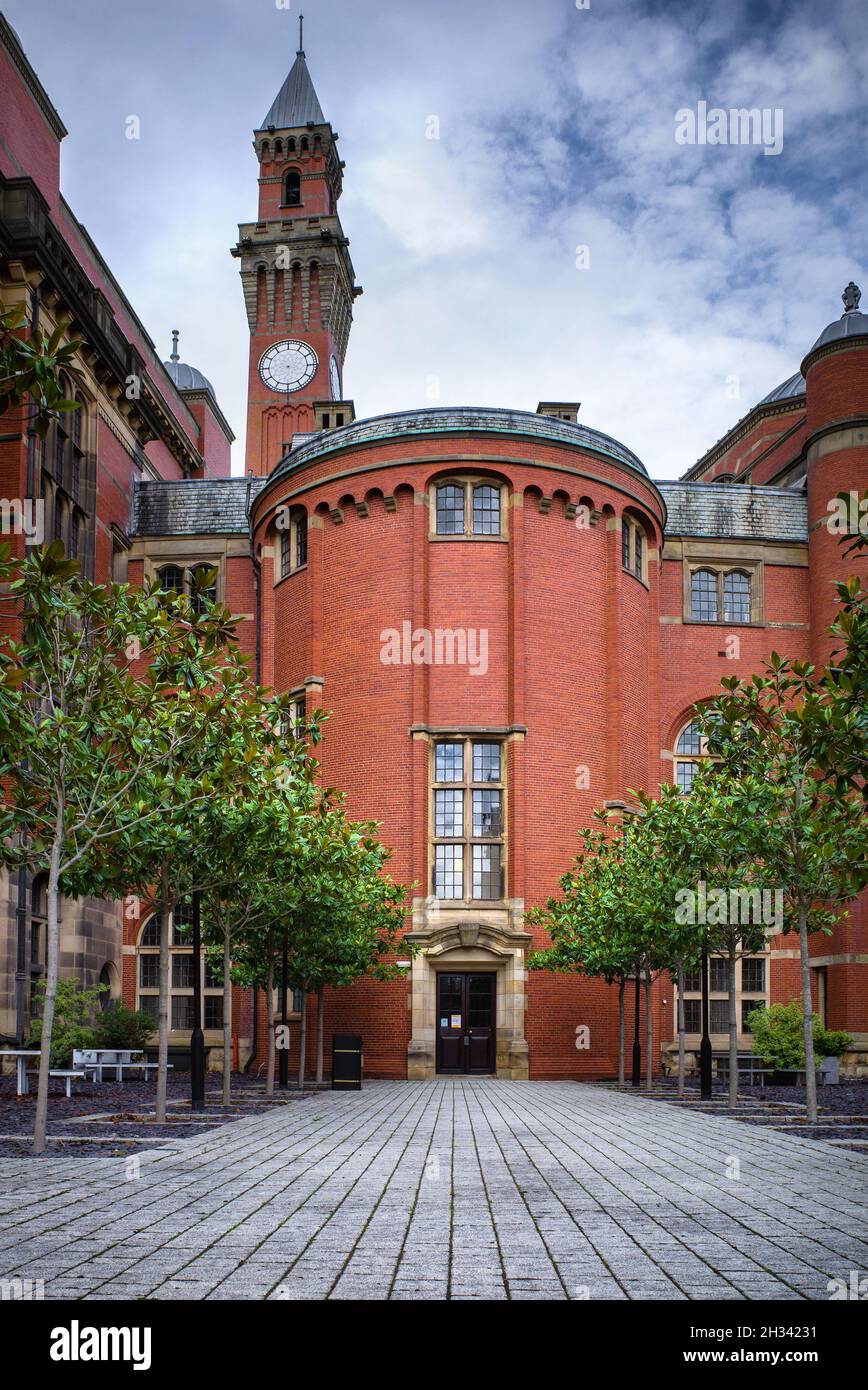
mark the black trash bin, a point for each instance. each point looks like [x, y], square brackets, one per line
[346, 1062]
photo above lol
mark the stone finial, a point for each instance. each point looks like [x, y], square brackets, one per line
[851, 297]
[174, 355]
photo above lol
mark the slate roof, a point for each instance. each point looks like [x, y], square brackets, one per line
[737, 511]
[194, 507]
[296, 103]
[792, 387]
[458, 419]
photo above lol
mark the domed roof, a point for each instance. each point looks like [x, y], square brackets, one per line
[459, 420]
[185, 377]
[793, 386]
[851, 324]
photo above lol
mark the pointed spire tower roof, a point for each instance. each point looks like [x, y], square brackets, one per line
[297, 103]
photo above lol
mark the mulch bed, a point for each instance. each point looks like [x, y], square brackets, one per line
[843, 1109]
[122, 1113]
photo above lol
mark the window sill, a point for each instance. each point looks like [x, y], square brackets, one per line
[638, 577]
[720, 622]
[292, 573]
[476, 904]
[433, 536]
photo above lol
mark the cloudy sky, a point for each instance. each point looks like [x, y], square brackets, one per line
[707, 270]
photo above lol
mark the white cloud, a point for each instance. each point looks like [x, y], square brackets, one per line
[556, 129]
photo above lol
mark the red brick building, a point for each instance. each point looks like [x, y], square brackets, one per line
[508, 620]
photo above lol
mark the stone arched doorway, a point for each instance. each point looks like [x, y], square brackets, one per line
[454, 944]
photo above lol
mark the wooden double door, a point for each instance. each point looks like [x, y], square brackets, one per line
[466, 1023]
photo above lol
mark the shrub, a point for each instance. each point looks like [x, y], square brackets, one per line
[778, 1037]
[123, 1028]
[73, 1019]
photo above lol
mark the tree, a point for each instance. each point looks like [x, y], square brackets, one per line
[790, 744]
[348, 918]
[91, 743]
[616, 917]
[30, 368]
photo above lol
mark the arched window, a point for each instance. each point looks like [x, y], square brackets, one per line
[290, 145]
[77, 454]
[486, 510]
[703, 596]
[293, 543]
[736, 597]
[633, 547]
[266, 148]
[467, 507]
[59, 517]
[292, 189]
[108, 977]
[171, 579]
[278, 147]
[38, 922]
[300, 540]
[305, 144]
[691, 749]
[203, 587]
[180, 975]
[450, 510]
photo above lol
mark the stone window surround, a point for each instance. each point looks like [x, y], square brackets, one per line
[213, 1036]
[722, 564]
[762, 997]
[468, 481]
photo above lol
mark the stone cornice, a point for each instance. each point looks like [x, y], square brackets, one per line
[744, 426]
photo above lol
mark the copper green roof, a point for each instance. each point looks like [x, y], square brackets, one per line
[457, 420]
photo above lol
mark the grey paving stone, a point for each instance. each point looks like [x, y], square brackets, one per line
[467, 1189]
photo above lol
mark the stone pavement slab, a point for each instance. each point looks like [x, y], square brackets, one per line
[454, 1189]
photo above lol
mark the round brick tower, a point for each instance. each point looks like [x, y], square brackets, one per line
[836, 374]
[473, 596]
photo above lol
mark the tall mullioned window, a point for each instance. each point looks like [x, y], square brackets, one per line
[469, 794]
[293, 542]
[633, 548]
[181, 1012]
[468, 507]
[751, 982]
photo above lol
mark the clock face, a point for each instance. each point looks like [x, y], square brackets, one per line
[335, 378]
[288, 366]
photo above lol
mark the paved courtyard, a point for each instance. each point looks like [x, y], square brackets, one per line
[456, 1189]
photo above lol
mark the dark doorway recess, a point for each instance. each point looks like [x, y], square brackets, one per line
[466, 1023]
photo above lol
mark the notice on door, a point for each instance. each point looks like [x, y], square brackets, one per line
[456, 1021]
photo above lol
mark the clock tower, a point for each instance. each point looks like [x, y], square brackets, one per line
[297, 276]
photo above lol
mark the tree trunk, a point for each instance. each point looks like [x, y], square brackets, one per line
[808, 1011]
[681, 1030]
[227, 1008]
[163, 1007]
[649, 1033]
[319, 1035]
[269, 1028]
[302, 1041]
[40, 1126]
[622, 988]
[733, 1030]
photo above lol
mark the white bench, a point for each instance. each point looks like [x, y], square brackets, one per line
[67, 1076]
[93, 1061]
